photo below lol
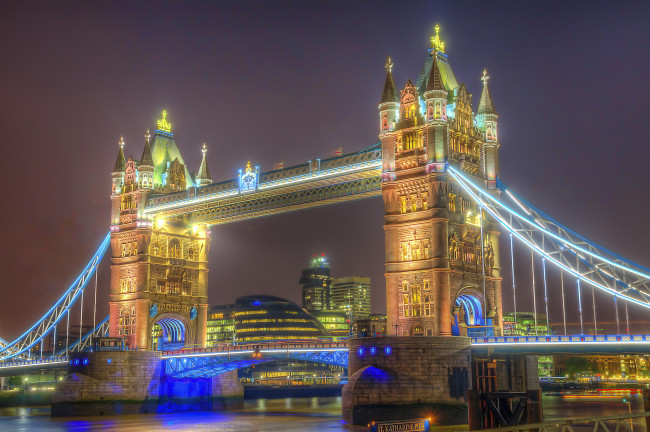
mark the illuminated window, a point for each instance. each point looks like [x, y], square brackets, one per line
[414, 202]
[174, 248]
[402, 204]
[452, 202]
[425, 201]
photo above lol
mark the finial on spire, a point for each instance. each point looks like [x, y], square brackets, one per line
[204, 150]
[437, 43]
[121, 143]
[163, 124]
[248, 167]
[389, 64]
[147, 135]
[485, 77]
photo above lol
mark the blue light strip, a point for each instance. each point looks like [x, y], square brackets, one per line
[537, 225]
[96, 259]
[464, 183]
[368, 165]
[504, 188]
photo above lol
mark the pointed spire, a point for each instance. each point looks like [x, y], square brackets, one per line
[389, 94]
[146, 158]
[435, 78]
[120, 163]
[485, 105]
[203, 177]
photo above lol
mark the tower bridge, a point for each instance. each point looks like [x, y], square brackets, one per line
[445, 206]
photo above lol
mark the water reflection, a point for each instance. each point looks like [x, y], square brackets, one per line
[316, 414]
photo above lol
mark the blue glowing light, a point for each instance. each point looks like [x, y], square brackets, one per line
[361, 351]
[75, 362]
[373, 350]
[257, 303]
[85, 362]
[109, 361]
[388, 350]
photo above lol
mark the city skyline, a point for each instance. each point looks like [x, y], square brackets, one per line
[76, 145]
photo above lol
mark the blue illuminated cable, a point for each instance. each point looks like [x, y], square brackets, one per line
[93, 263]
[580, 307]
[466, 187]
[540, 227]
[504, 188]
[514, 296]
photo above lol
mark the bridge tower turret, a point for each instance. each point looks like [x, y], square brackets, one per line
[486, 119]
[442, 270]
[388, 116]
[203, 176]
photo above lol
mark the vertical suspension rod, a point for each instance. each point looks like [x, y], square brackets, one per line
[579, 296]
[563, 305]
[532, 272]
[514, 293]
[67, 334]
[81, 318]
[92, 336]
[618, 324]
[548, 327]
[593, 303]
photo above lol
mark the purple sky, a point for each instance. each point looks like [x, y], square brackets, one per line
[271, 81]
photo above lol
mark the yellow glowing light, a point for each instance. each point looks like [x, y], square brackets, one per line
[160, 222]
[195, 229]
[163, 124]
[437, 43]
[473, 219]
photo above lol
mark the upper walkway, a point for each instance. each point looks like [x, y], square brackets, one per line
[316, 183]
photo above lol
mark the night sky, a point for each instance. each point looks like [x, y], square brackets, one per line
[293, 81]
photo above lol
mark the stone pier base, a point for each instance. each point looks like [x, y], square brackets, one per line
[397, 378]
[130, 382]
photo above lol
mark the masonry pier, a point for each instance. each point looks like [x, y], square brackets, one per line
[132, 382]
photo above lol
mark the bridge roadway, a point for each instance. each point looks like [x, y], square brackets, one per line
[203, 362]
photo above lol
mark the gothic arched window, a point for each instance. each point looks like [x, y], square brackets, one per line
[174, 248]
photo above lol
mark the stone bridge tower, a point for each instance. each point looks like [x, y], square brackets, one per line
[442, 255]
[159, 271]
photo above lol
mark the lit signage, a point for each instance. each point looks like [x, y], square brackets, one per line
[420, 425]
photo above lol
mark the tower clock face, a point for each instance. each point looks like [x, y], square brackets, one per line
[248, 181]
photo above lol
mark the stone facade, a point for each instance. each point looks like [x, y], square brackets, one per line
[159, 272]
[129, 382]
[442, 254]
[393, 378]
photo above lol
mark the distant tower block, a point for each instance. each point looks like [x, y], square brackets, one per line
[159, 274]
[442, 255]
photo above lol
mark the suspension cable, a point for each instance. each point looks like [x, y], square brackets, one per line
[548, 327]
[67, 334]
[81, 316]
[563, 307]
[532, 271]
[618, 324]
[593, 302]
[579, 296]
[92, 335]
[514, 295]
[54, 340]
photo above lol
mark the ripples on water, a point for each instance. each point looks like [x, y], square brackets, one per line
[292, 415]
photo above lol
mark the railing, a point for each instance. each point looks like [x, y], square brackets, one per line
[561, 338]
[599, 423]
[29, 363]
[233, 349]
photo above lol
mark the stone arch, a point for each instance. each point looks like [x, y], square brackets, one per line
[469, 311]
[170, 331]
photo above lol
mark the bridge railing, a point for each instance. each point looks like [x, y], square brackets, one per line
[603, 423]
[24, 363]
[256, 346]
[562, 338]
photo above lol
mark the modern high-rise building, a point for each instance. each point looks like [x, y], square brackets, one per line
[351, 295]
[315, 282]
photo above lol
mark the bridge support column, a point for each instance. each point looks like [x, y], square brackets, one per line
[396, 378]
[132, 382]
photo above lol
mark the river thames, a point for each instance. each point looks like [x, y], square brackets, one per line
[293, 415]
